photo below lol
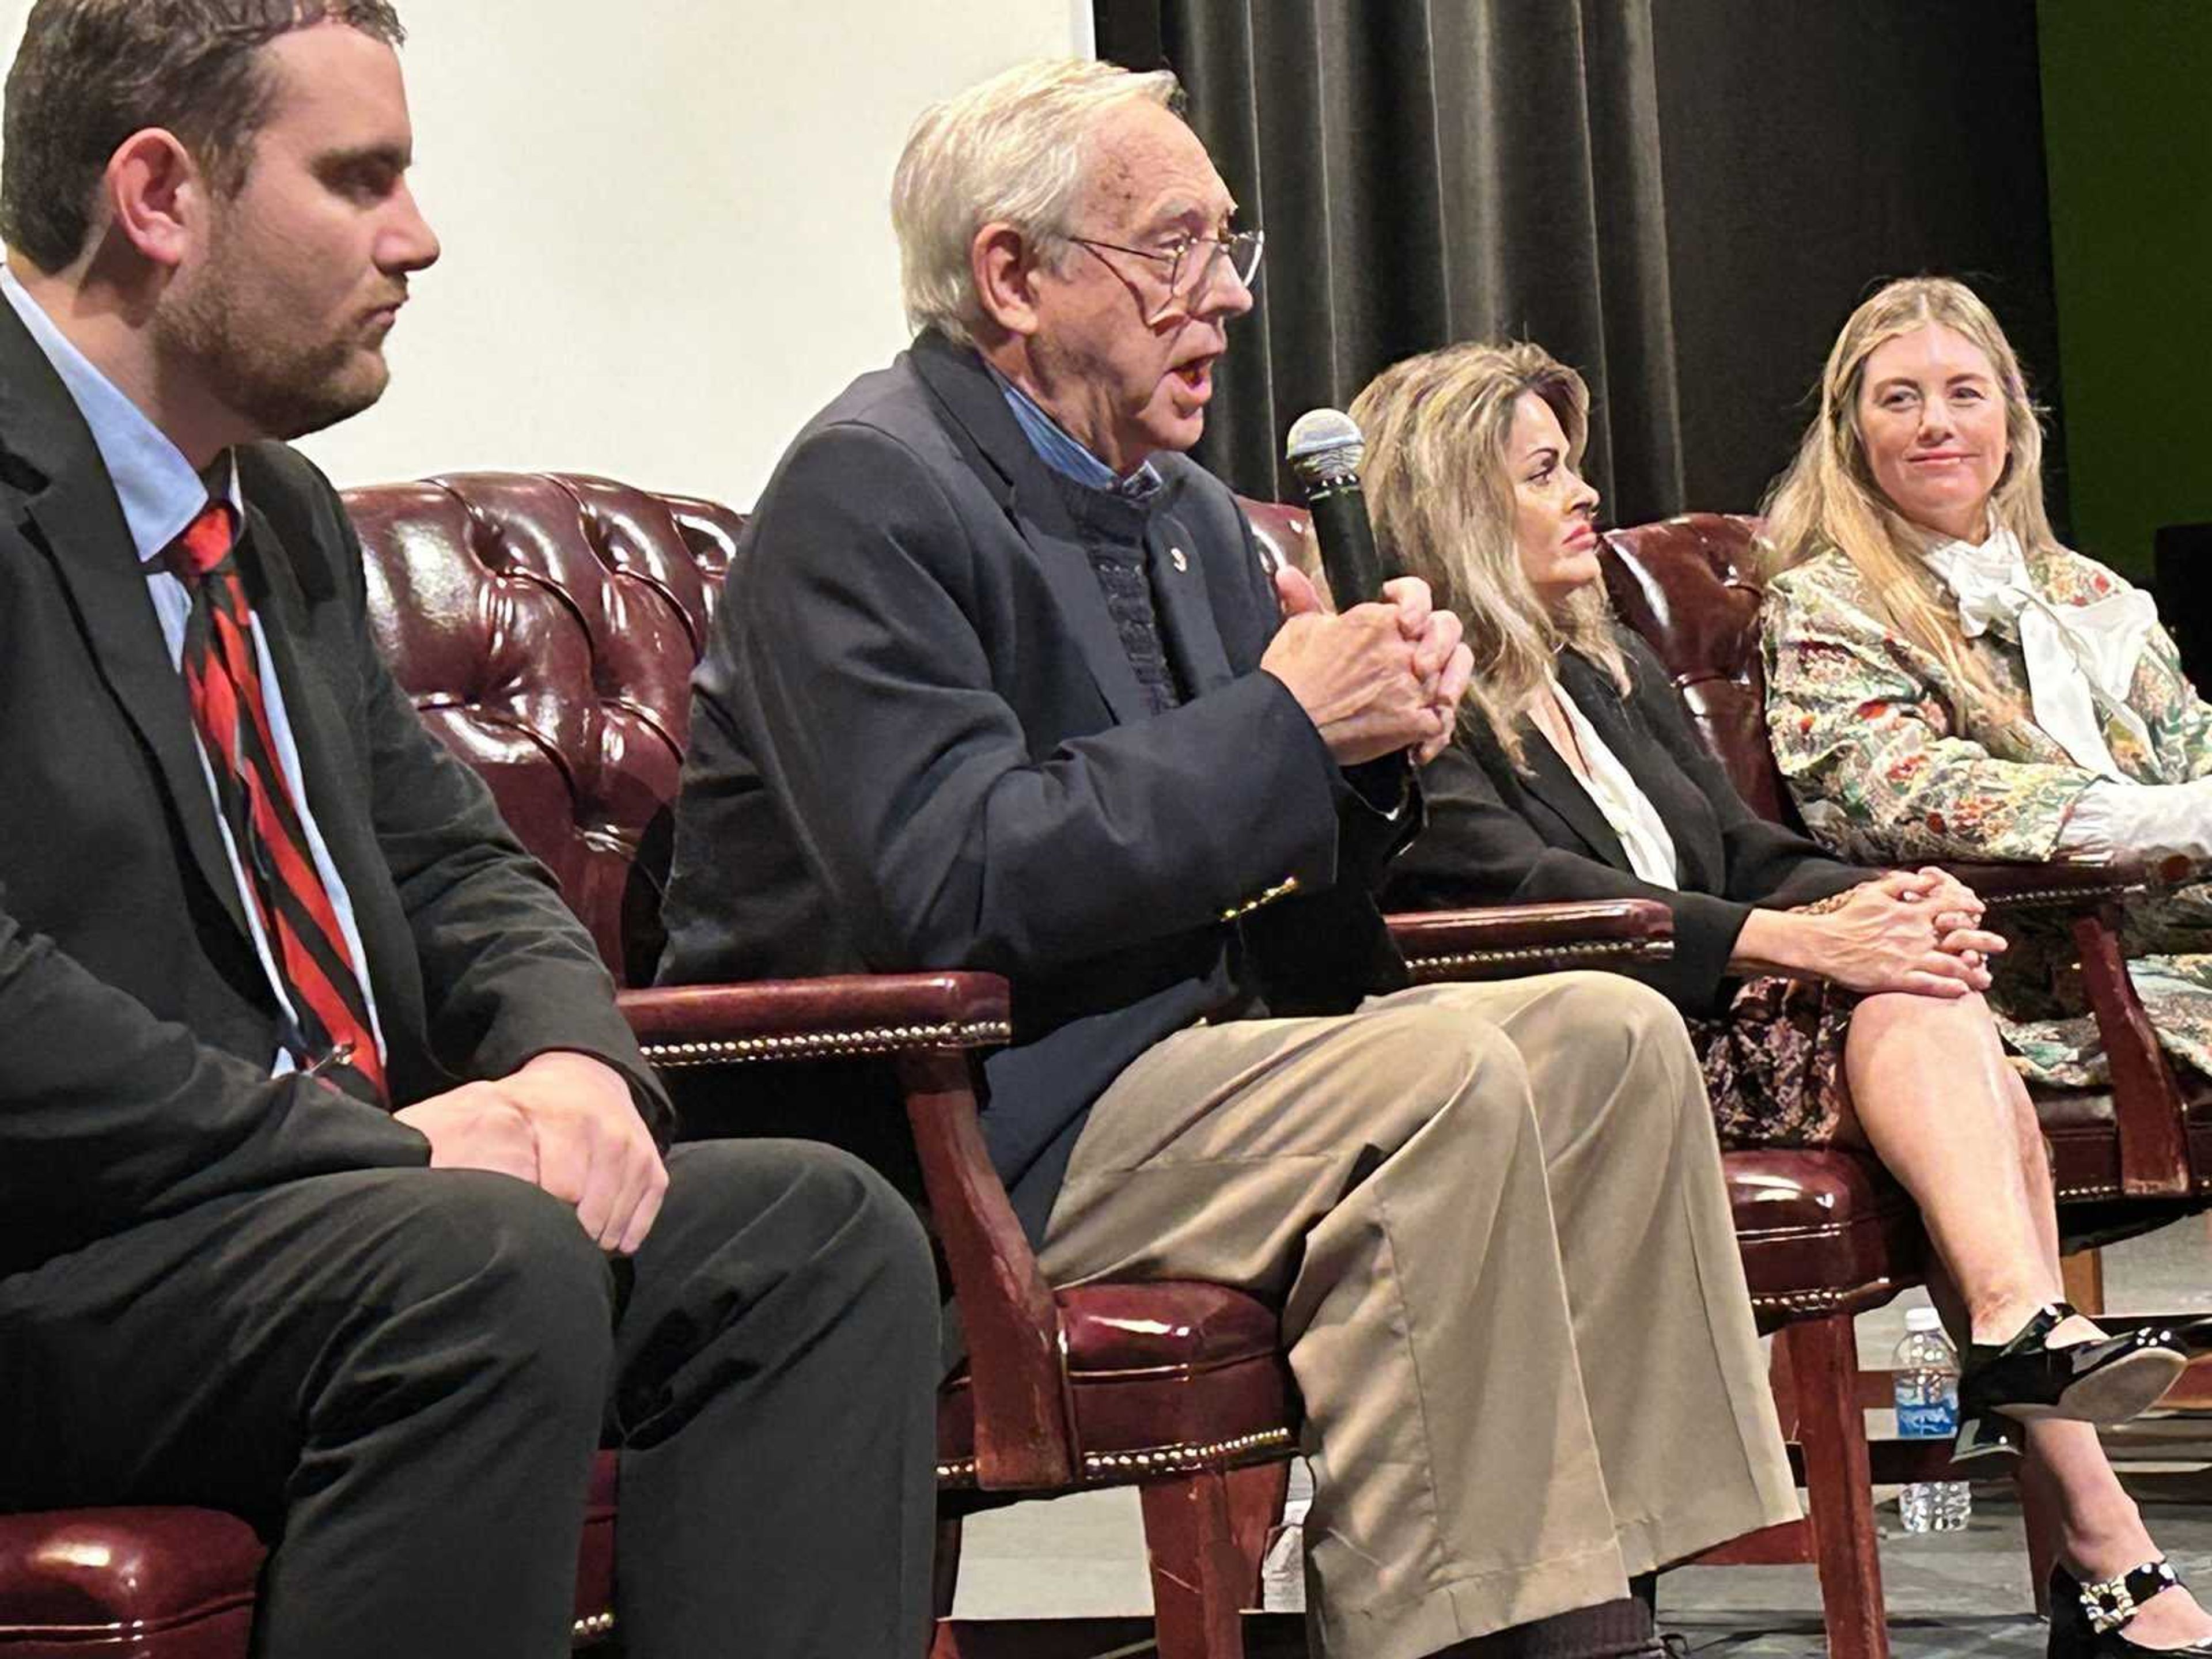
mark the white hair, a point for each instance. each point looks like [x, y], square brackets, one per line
[1011, 150]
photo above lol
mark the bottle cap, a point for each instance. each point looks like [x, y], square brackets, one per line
[1922, 1319]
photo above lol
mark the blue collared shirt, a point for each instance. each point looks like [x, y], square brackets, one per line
[1064, 454]
[161, 495]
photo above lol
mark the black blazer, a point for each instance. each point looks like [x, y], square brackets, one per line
[137, 1026]
[917, 742]
[1496, 836]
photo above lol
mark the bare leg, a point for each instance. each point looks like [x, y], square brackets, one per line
[1934, 1099]
[2102, 1531]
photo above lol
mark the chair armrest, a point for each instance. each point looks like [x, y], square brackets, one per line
[684, 1026]
[2054, 886]
[935, 1028]
[1505, 941]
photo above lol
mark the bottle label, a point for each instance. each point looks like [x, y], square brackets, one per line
[1936, 1420]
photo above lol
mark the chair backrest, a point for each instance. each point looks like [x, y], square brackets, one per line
[1688, 585]
[546, 625]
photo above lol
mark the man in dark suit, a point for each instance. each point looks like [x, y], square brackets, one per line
[330, 1189]
[998, 681]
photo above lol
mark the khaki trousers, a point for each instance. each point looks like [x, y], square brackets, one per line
[1495, 1219]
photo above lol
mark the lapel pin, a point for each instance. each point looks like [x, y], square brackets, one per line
[1175, 557]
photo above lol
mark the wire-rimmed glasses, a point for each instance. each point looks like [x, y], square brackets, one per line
[1189, 276]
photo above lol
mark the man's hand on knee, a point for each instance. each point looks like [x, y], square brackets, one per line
[562, 1121]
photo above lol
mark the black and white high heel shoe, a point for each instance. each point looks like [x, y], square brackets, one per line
[2108, 1380]
[2090, 1621]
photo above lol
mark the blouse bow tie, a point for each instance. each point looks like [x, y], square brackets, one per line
[2075, 653]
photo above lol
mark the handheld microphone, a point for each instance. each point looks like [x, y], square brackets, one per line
[1324, 451]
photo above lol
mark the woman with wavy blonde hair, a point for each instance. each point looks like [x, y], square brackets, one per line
[1830, 498]
[1946, 680]
[1434, 424]
[1829, 1004]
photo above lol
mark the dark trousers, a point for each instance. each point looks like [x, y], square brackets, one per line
[400, 1376]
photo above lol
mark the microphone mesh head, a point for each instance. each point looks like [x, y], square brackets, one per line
[1324, 443]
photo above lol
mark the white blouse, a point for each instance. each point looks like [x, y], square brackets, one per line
[2081, 658]
[1623, 805]
[2081, 663]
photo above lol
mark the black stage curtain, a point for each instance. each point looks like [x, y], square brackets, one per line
[1684, 198]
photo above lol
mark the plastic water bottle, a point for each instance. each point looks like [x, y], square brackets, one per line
[1927, 1382]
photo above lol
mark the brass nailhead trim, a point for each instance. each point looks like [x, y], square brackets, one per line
[2094, 1190]
[2067, 894]
[1282, 889]
[1586, 949]
[1815, 1301]
[1178, 1459]
[593, 1625]
[868, 1040]
[1163, 1459]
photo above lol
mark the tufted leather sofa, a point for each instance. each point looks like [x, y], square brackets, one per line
[546, 626]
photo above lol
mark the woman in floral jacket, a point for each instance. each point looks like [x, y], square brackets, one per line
[1946, 681]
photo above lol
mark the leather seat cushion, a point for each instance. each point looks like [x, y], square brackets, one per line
[181, 1582]
[1158, 1366]
[73, 1580]
[1821, 1231]
[2085, 1148]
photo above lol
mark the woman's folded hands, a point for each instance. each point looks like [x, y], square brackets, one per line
[1909, 930]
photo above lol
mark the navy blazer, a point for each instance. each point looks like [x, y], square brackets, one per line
[1499, 836]
[917, 742]
[137, 1023]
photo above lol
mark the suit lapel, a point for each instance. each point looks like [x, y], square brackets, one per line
[76, 520]
[1032, 501]
[1696, 855]
[1186, 610]
[1552, 781]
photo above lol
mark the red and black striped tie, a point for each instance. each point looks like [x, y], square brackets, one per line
[223, 677]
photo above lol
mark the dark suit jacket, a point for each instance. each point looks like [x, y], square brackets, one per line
[1496, 836]
[137, 1026]
[917, 742]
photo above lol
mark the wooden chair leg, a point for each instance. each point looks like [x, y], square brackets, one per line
[944, 1580]
[2082, 1275]
[1839, 1485]
[1781, 1378]
[1199, 1576]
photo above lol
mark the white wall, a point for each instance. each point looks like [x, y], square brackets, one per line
[666, 235]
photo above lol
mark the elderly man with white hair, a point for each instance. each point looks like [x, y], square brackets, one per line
[1001, 683]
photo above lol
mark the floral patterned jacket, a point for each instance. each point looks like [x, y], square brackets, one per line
[1885, 765]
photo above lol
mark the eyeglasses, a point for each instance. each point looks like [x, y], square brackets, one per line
[1188, 277]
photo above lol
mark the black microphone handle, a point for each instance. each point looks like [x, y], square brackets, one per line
[1355, 574]
[1355, 571]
